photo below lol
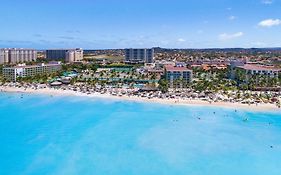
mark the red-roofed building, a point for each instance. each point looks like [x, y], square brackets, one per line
[178, 76]
[255, 73]
[257, 69]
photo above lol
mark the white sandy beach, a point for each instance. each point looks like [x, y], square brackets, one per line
[60, 92]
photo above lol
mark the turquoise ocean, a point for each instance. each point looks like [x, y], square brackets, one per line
[45, 135]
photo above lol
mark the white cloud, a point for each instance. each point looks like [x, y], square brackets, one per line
[270, 22]
[232, 18]
[225, 36]
[181, 40]
[268, 2]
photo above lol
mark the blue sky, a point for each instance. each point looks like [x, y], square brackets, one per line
[98, 24]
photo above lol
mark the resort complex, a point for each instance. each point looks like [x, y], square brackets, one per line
[154, 73]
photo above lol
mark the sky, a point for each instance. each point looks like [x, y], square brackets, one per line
[109, 24]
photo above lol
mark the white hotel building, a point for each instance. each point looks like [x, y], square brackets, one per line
[257, 69]
[22, 70]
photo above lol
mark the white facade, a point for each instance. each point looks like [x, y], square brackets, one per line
[255, 69]
[12, 73]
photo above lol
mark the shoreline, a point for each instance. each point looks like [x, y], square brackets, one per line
[178, 102]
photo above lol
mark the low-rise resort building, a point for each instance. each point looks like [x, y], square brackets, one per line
[248, 71]
[178, 77]
[22, 70]
[256, 69]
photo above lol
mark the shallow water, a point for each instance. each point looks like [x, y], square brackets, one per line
[75, 135]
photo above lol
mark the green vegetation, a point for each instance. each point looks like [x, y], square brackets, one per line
[79, 67]
[212, 80]
[39, 78]
[251, 82]
[215, 80]
[163, 85]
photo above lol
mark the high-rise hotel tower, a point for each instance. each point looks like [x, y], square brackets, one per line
[15, 55]
[136, 56]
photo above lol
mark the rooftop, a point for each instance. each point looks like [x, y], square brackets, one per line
[173, 68]
[32, 66]
[259, 67]
[16, 49]
[64, 49]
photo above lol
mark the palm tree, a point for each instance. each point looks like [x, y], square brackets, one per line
[163, 85]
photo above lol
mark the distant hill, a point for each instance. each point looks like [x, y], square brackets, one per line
[159, 50]
[251, 50]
